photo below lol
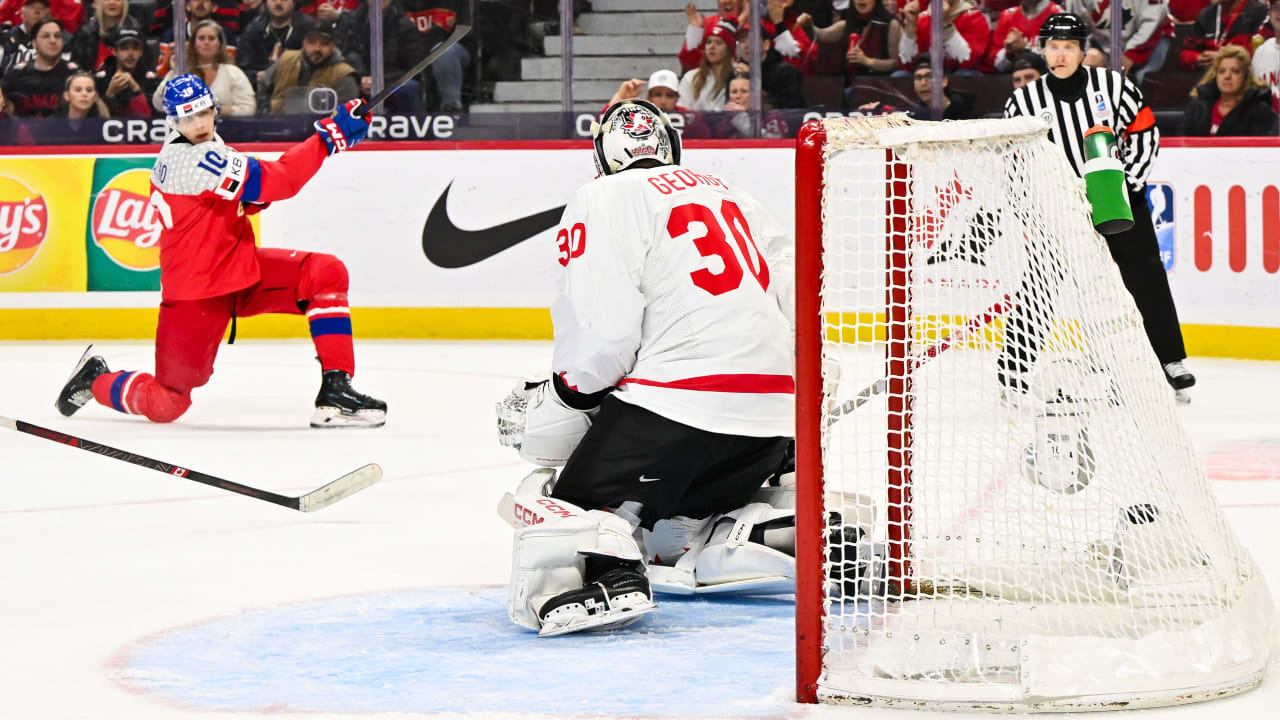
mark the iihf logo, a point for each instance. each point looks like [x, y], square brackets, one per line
[1160, 200]
[637, 122]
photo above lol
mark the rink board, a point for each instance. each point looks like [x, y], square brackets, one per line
[76, 266]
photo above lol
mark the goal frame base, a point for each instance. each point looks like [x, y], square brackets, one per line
[1081, 703]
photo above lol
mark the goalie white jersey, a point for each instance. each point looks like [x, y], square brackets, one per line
[678, 290]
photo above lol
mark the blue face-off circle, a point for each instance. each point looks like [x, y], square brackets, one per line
[454, 650]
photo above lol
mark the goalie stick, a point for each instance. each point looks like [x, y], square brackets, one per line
[1000, 307]
[459, 31]
[317, 499]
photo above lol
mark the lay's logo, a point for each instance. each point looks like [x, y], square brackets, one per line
[24, 222]
[125, 223]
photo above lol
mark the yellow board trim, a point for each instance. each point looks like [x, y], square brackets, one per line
[390, 323]
[1256, 343]
[1229, 341]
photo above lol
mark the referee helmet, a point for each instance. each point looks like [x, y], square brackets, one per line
[1064, 26]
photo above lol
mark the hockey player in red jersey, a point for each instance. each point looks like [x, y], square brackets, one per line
[211, 270]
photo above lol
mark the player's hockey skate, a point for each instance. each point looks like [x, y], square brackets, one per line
[1180, 379]
[78, 390]
[614, 599]
[340, 405]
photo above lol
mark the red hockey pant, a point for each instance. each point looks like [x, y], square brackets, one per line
[189, 332]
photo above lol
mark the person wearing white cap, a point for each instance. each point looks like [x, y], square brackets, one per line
[664, 91]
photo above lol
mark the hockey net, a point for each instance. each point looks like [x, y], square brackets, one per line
[999, 508]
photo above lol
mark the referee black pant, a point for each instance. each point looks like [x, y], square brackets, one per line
[1136, 253]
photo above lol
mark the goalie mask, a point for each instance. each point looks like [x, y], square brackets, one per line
[631, 131]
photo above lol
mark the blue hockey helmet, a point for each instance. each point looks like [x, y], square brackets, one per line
[187, 95]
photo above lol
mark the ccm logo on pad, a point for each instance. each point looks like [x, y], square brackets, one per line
[533, 517]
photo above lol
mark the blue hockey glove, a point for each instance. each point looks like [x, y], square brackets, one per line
[345, 128]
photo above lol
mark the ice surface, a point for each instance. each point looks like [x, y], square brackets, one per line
[125, 593]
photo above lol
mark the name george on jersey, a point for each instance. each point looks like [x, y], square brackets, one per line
[672, 182]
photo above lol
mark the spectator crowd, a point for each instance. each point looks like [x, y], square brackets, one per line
[112, 58]
[807, 44]
[284, 57]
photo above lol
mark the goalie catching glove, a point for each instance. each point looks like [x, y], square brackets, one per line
[535, 420]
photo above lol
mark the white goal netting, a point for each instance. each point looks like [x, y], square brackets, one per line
[1016, 517]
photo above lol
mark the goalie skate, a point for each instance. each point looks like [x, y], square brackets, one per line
[616, 599]
[340, 405]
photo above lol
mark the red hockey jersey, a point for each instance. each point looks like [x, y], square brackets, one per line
[204, 195]
[964, 44]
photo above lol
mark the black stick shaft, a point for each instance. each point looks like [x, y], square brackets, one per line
[152, 464]
[459, 31]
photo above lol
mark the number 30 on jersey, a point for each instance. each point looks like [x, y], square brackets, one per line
[572, 242]
[713, 243]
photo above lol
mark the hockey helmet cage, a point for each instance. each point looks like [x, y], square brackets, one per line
[631, 131]
[187, 95]
[1064, 26]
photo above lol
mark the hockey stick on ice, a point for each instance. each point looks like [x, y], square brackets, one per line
[317, 499]
[1000, 307]
[459, 31]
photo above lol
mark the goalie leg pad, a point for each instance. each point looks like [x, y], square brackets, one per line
[550, 559]
[744, 547]
[752, 550]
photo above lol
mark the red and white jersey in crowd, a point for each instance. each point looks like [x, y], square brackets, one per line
[1266, 68]
[1146, 21]
[677, 290]
[204, 194]
[1015, 19]
[70, 13]
[964, 42]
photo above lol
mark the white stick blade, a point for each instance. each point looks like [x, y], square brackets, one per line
[349, 484]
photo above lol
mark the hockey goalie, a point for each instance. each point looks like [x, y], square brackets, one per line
[670, 398]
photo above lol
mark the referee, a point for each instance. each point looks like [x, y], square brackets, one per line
[1071, 99]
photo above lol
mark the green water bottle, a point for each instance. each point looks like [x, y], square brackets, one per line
[1104, 182]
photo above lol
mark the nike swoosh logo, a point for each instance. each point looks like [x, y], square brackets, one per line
[449, 246]
[648, 479]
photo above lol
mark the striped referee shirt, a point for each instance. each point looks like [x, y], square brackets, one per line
[1109, 99]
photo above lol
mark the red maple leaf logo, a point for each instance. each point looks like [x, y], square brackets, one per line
[930, 222]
